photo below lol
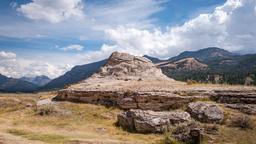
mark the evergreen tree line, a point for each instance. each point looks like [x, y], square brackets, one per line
[242, 77]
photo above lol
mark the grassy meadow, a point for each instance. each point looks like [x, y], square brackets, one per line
[85, 124]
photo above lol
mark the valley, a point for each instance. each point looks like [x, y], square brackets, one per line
[127, 72]
[130, 101]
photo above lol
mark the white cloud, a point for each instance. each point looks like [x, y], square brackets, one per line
[7, 55]
[91, 19]
[125, 12]
[73, 47]
[53, 11]
[230, 26]
[13, 66]
[43, 68]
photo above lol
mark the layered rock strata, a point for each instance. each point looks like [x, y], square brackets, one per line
[129, 100]
[232, 97]
[243, 101]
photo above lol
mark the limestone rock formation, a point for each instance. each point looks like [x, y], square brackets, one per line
[156, 101]
[127, 81]
[146, 121]
[123, 66]
[129, 100]
[244, 108]
[235, 96]
[205, 112]
[133, 82]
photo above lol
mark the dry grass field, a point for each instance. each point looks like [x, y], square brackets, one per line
[75, 123]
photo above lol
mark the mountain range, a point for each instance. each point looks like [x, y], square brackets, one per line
[220, 66]
[209, 65]
[38, 80]
[16, 85]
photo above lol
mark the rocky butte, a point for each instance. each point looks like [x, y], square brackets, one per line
[135, 84]
[129, 82]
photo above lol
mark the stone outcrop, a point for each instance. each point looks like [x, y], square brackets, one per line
[151, 122]
[152, 98]
[123, 66]
[133, 82]
[205, 112]
[244, 108]
[233, 97]
[129, 100]
[155, 101]
[243, 101]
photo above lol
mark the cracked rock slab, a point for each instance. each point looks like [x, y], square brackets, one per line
[147, 121]
[205, 112]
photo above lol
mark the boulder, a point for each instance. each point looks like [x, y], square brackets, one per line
[147, 121]
[44, 102]
[205, 112]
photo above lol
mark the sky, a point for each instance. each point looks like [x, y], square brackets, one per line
[49, 37]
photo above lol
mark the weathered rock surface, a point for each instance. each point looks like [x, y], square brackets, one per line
[123, 66]
[205, 112]
[129, 100]
[245, 108]
[44, 102]
[233, 97]
[188, 133]
[151, 122]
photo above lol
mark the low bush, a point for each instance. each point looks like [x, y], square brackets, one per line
[45, 110]
[191, 82]
[242, 121]
[168, 139]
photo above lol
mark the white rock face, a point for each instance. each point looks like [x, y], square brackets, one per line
[123, 66]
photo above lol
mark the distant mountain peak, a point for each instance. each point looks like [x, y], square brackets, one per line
[15, 85]
[153, 59]
[205, 55]
[37, 80]
[184, 64]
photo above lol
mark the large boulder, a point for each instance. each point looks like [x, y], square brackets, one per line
[205, 112]
[147, 121]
